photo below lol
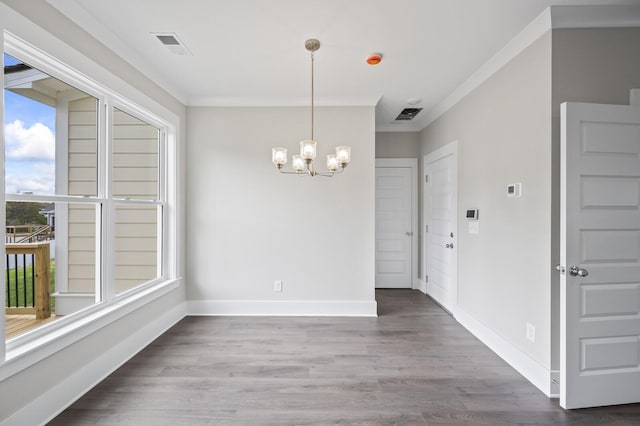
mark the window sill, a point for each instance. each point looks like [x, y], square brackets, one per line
[24, 351]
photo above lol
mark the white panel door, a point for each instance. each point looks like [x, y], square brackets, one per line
[394, 234]
[600, 255]
[442, 227]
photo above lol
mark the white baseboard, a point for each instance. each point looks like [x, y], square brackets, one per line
[55, 400]
[521, 362]
[322, 308]
[420, 284]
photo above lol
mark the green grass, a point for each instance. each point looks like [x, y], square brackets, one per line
[17, 298]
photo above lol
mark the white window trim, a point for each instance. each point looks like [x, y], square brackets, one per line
[23, 351]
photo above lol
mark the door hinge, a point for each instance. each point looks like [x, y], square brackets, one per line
[426, 278]
[426, 178]
[426, 228]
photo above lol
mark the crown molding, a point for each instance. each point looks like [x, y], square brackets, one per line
[612, 16]
[75, 12]
[553, 17]
[214, 101]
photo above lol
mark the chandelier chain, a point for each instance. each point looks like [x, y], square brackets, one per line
[312, 94]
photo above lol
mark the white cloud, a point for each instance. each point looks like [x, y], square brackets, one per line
[26, 182]
[33, 143]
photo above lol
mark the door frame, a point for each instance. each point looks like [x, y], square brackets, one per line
[411, 163]
[449, 149]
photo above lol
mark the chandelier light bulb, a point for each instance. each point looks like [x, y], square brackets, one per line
[308, 149]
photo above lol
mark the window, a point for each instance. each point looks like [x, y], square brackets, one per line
[85, 183]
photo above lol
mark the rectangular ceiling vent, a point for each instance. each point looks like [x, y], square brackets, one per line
[408, 114]
[173, 43]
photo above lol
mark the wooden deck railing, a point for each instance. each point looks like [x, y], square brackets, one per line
[29, 233]
[36, 277]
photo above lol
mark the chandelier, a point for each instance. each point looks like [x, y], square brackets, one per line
[303, 164]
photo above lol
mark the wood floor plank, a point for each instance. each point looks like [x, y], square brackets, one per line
[413, 365]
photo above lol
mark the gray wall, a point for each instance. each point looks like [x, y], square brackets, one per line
[248, 225]
[503, 129]
[397, 144]
[588, 65]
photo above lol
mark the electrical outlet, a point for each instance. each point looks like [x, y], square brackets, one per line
[277, 285]
[531, 333]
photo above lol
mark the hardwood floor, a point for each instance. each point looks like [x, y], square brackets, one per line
[413, 365]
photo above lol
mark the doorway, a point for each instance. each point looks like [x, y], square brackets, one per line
[396, 222]
[440, 242]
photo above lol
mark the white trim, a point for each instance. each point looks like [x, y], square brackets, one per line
[521, 362]
[338, 101]
[45, 407]
[26, 350]
[420, 284]
[92, 25]
[553, 17]
[595, 16]
[285, 308]
[413, 164]
[513, 48]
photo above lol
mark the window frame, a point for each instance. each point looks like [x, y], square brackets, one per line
[22, 351]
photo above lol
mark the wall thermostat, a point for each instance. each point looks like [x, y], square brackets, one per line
[472, 214]
[514, 190]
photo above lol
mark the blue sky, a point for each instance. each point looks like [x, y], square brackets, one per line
[29, 129]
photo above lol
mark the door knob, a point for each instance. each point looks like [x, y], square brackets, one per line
[409, 234]
[449, 245]
[575, 271]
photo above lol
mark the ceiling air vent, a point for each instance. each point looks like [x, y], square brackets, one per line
[173, 43]
[408, 114]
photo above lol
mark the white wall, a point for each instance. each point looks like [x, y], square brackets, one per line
[47, 386]
[248, 225]
[503, 129]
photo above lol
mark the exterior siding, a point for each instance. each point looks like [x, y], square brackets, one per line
[81, 180]
[135, 176]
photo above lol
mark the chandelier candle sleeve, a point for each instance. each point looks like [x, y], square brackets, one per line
[308, 149]
[279, 156]
[343, 154]
[332, 163]
[297, 163]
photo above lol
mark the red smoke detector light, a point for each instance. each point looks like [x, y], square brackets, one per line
[374, 58]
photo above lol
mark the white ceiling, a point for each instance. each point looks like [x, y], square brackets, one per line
[251, 52]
